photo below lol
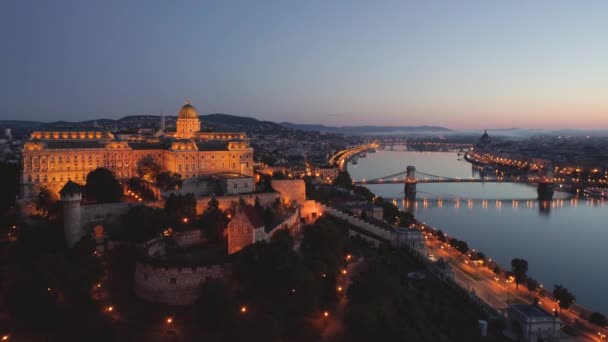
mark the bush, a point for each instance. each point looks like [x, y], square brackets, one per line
[598, 319]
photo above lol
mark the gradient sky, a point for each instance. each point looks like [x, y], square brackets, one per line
[459, 64]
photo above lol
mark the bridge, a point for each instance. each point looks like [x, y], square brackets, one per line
[341, 158]
[410, 177]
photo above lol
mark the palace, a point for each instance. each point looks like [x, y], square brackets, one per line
[52, 158]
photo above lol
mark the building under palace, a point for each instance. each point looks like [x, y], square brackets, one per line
[52, 158]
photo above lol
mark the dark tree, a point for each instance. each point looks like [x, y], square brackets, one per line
[598, 319]
[365, 192]
[460, 246]
[441, 236]
[390, 212]
[46, 202]
[214, 221]
[273, 276]
[532, 284]
[103, 187]
[148, 168]
[169, 180]
[479, 256]
[181, 206]
[9, 183]
[406, 219]
[343, 180]
[217, 305]
[144, 223]
[519, 267]
[564, 296]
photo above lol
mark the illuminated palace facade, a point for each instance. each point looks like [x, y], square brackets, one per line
[51, 158]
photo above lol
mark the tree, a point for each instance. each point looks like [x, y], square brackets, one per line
[406, 219]
[479, 256]
[144, 223]
[532, 284]
[181, 206]
[214, 221]
[217, 305]
[460, 246]
[390, 212]
[103, 187]
[169, 180]
[564, 297]
[343, 180]
[441, 236]
[46, 202]
[9, 183]
[148, 168]
[598, 319]
[519, 267]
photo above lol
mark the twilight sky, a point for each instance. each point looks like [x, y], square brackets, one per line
[459, 64]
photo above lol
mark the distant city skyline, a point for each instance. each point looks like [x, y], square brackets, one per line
[460, 65]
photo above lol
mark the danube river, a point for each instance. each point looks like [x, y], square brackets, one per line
[564, 243]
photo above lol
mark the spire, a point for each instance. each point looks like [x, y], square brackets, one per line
[162, 122]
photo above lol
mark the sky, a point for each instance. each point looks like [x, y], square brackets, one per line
[458, 64]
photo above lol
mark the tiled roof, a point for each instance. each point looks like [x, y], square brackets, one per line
[252, 215]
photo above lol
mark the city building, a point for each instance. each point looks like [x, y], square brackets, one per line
[484, 140]
[52, 158]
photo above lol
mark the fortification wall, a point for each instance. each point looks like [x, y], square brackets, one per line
[383, 233]
[291, 190]
[225, 202]
[96, 212]
[174, 285]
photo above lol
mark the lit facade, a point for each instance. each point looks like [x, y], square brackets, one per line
[52, 158]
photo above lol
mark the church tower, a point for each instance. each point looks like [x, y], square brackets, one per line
[188, 122]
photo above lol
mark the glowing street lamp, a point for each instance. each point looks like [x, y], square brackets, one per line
[169, 320]
[243, 309]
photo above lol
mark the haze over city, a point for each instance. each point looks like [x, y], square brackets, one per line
[461, 65]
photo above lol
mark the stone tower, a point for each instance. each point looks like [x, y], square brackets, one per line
[188, 122]
[71, 196]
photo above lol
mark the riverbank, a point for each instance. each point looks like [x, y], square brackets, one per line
[506, 219]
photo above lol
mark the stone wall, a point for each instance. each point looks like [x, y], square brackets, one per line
[226, 202]
[291, 190]
[174, 285]
[366, 226]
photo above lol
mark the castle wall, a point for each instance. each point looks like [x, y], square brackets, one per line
[291, 190]
[226, 202]
[174, 285]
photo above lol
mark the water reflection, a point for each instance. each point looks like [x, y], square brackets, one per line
[505, 220]
[543, 207]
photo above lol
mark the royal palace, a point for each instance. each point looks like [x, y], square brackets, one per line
[51, 158]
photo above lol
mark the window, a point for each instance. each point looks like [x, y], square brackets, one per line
[245, 185]
[236, 185]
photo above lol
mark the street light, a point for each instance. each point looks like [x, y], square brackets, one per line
[169, 320]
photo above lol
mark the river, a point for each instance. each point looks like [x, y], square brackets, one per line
[565, 242]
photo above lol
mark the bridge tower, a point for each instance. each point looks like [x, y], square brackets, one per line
[410, 183]
[545, 188]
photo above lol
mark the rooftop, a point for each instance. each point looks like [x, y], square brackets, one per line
[531, 311]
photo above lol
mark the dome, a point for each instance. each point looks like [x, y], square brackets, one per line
[188, 111]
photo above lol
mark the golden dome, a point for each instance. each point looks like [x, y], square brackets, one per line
[188, 111]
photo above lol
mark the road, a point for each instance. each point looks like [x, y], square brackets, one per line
[497, 292]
